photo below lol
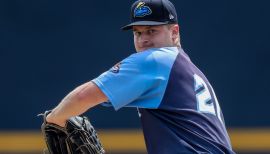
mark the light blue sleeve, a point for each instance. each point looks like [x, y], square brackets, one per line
[137, 81]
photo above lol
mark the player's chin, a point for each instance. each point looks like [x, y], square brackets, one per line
[139, 50]
[143, 49]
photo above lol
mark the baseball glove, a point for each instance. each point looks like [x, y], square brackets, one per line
[77, 137]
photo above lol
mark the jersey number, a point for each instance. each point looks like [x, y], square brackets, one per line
[205, 101]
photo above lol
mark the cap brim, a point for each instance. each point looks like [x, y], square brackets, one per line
[143, 23]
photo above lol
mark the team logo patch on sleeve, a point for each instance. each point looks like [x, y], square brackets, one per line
[115, 68]
[141, 10]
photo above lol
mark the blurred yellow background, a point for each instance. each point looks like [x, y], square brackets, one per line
[131, 141]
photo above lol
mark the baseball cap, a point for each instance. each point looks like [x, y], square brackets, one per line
[152, 12]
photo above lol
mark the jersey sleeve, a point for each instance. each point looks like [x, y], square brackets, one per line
[128, 80]
[139, 80]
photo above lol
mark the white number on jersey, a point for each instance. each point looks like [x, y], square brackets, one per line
[205, 102]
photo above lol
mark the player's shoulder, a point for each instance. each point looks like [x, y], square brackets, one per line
[154, 54]
[153, 59]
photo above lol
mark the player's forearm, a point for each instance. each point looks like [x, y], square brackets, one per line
[77, 102]
[68, 107]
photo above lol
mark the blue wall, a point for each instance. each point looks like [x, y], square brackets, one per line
[47, 48]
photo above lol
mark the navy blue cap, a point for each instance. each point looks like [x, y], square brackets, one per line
[152, 12]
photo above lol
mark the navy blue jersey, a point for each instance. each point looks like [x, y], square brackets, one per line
[177, 105]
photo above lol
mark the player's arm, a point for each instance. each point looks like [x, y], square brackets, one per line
[76, 102]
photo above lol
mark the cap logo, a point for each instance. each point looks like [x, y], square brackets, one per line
[141, 10]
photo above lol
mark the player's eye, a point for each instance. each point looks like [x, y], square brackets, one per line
[151, 31]
[137, 33]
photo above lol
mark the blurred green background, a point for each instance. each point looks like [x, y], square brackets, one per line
[47, 48]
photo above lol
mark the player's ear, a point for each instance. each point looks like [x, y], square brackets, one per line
[175, 30]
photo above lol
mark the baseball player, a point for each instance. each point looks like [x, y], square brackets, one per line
[177, 105]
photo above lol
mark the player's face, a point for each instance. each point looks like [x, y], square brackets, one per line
[146, 37]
